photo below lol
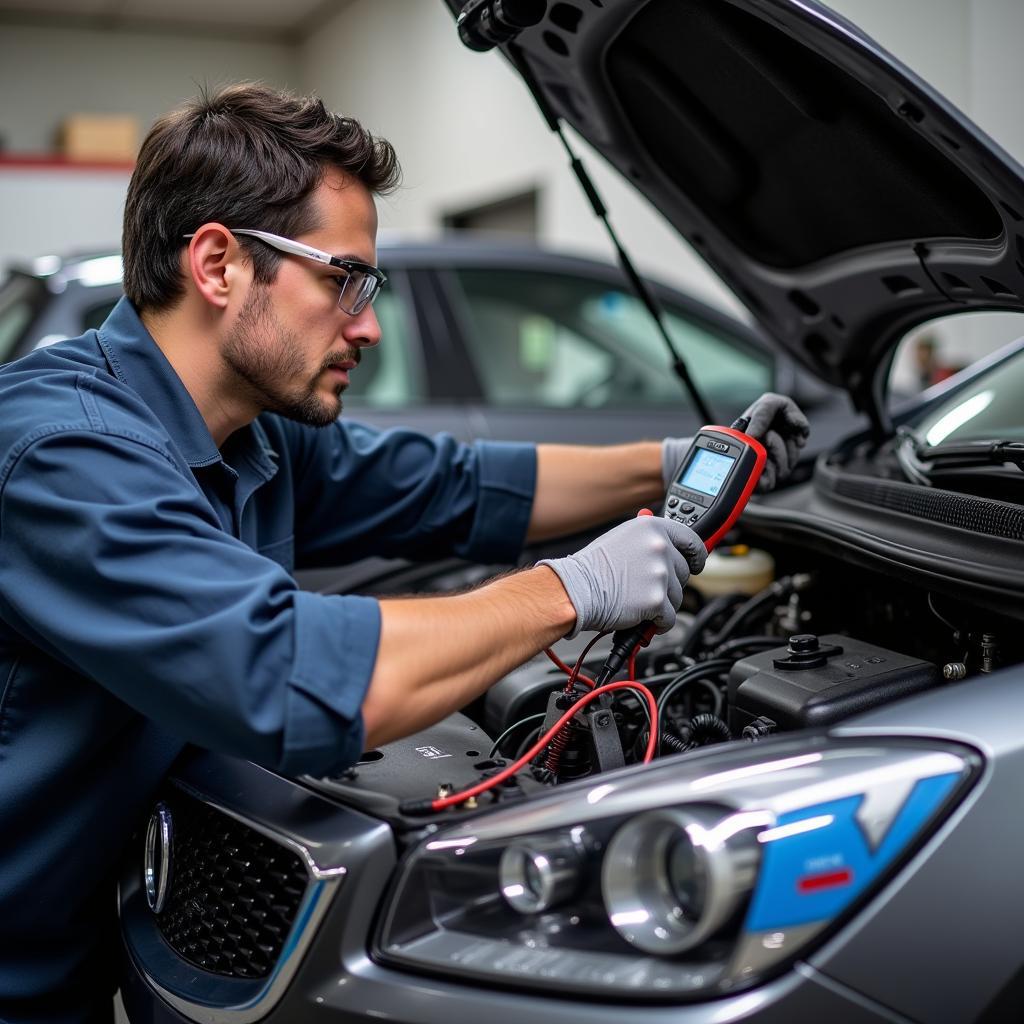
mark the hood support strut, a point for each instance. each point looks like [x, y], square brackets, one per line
[640, 289]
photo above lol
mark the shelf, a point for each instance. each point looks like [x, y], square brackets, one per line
[48, 162]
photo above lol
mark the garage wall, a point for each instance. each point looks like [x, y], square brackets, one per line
[47, 73]
[995, 35]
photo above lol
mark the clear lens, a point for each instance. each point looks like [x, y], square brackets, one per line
[357, 292]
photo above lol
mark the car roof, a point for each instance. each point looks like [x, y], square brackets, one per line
[412, 251]
[103, 267]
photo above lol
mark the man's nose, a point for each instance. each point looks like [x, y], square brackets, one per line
[363, 329]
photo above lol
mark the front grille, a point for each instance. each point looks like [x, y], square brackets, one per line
[234, 893]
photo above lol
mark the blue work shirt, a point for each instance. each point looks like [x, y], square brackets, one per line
[147, 601]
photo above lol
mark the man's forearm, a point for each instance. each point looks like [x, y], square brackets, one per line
[581, 486]
[437, 654]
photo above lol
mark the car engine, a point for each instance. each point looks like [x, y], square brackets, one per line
[766, 643]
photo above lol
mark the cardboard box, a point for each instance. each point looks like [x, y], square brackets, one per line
[100, 137]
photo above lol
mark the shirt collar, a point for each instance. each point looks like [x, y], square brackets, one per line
[136, 360]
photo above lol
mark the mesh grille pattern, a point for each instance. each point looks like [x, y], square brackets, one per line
[234, 893]
[995, 518]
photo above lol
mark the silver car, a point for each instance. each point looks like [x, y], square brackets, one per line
[830, 828]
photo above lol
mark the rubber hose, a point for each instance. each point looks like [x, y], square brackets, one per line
[715, 607]
[668, 740]
[776, 591]
[707, 728]
[741, 643]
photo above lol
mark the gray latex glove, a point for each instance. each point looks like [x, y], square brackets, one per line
[777, 422]
[673, 451]
[633, 573]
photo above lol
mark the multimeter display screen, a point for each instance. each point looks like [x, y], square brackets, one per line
[707, 471]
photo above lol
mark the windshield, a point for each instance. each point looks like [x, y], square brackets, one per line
[989, 408]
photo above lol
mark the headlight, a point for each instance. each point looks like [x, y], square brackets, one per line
[683, 879]
[670, 879]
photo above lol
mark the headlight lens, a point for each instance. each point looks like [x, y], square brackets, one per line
[683, 879]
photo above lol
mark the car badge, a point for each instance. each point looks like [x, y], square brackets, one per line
[156, 864]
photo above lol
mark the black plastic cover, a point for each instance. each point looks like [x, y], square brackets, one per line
[796, 692]
[446, 754]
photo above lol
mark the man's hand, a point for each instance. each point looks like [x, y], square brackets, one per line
[775, 420]
[633, 573]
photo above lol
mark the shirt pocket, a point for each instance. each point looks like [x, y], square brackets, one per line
[280, 551]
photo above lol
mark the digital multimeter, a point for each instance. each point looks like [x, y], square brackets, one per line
[710, 489]
[714, 482]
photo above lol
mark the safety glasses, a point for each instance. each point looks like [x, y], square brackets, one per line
[356, 290]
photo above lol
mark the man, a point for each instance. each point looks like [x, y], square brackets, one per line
[162, 476]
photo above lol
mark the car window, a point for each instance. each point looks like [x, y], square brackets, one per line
[389, 374]
[562, 340]
[988, 408]
[20, 300]
[933, 352]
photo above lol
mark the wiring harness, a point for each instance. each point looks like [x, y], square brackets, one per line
[668, 709]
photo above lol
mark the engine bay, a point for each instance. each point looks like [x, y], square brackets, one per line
[767, 643]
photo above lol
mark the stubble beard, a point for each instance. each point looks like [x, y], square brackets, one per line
[263, 353]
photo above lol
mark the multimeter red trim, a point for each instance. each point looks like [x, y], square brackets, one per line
[753, 474]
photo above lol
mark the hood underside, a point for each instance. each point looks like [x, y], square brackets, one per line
[841, 198]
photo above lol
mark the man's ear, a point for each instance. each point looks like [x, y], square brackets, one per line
[215, 264]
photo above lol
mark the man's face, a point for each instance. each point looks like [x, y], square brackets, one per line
[291, 346]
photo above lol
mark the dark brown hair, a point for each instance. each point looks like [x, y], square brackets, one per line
[246, 156]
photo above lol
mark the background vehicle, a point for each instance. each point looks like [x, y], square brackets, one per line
[494, 340]
[832, 831]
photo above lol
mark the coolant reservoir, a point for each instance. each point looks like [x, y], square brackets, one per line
[736, 569]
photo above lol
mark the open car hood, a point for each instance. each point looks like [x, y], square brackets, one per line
[841, 197]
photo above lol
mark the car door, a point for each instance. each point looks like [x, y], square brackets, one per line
[401, 382]
[566, 354]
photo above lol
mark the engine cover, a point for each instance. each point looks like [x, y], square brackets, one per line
[450, 753]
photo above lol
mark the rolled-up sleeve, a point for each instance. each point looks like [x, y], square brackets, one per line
[113, 562]
[507, 475]
[401, 494]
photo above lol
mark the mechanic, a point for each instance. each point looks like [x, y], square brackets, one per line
[161, 477]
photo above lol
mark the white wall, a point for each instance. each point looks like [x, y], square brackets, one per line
[47, 73]
[996, 84]
[46, 210]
